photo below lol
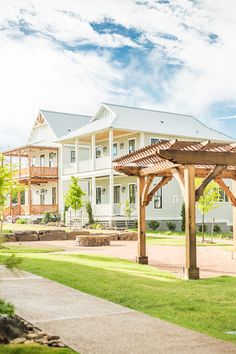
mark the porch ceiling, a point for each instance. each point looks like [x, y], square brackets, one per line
[25, 151]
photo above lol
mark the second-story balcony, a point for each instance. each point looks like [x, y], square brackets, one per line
[34, 163]
[41, 172]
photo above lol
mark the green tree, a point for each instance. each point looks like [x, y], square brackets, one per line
[89, 212]
[207, 201]
[127, 211]
[74, 196]
[9, 187]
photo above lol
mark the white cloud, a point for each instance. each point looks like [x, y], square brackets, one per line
[36, 72]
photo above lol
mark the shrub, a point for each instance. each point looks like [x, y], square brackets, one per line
[205, 228]
[95, 226]
[217, 229]
[21, 221]
[6, 308]
[89, 210]
[153, 224]
[171, 225]
[50, 217]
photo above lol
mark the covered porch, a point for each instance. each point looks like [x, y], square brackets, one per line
[185, 161]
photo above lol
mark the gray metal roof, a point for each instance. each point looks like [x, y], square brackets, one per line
[150, 121]
[64, 123]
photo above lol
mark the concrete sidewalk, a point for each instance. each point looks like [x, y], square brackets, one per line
[91, 325]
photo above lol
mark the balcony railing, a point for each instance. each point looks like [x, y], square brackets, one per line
[37, 172]
[35, 210]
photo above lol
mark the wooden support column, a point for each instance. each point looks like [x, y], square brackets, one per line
[142, 257]
[29, 184]
[234, 215]
[191, 271]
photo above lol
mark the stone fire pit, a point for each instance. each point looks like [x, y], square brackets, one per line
[94, 240]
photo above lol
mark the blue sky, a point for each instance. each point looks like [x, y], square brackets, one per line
[71, 55]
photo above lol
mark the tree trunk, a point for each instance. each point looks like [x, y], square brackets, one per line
[212, 229]
[203, 224]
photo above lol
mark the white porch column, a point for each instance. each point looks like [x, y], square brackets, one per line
[93, 151]
[111, 190]
[111, 147]
[76, 155]
[60, 166]
[93, 192]
[142, 140]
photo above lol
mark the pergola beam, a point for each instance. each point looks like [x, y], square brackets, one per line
[198, 157]
[212, 175]
[159, 185]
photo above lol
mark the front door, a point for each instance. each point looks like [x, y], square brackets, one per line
[117, 210]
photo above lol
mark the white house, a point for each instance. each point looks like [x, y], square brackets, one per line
[62, 145]
[116, 130]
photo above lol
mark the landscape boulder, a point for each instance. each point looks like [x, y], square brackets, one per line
[49, 235]
[22, 236]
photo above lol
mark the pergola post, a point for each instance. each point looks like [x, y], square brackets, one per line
[234, 215]
[142, 257]
[191, 271]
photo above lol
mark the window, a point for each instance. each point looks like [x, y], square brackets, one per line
[51, 159]
[42, 160]
[222, 196]
[157, 199]
[54, 196]
[115, 150]
[155, 140]
[72, 156]
[116, 194]
[33, 161]
[98, 151]
[99, 195]
[131, 145]
[132, 193]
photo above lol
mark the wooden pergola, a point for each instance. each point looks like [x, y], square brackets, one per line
[185, 161]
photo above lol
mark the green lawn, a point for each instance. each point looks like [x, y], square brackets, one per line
[28, 249]
[167, 240]
[33, 349]
[208, 305]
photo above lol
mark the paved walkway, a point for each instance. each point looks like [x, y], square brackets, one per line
[94, 326]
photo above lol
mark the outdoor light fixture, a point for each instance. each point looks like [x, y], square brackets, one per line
[123, 189]
[121, 145]
[103, 190]
[104, 148]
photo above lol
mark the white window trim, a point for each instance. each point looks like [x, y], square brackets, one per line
[135, 145]
[135, 186]
[117, 185]
[161, 198]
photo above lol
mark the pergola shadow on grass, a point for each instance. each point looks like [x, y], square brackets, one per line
[184, 161]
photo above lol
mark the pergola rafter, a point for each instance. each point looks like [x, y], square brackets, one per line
[183, 160]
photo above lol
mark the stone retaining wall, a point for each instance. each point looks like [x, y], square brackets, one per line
[56, 235]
